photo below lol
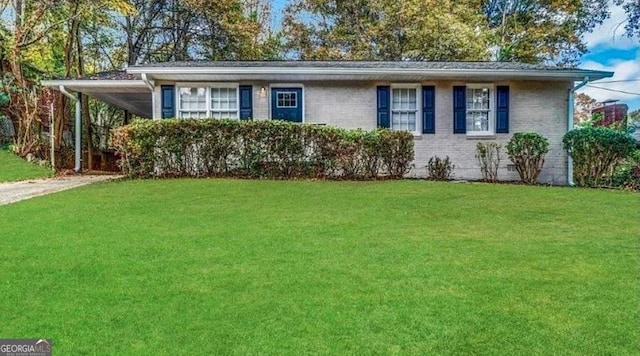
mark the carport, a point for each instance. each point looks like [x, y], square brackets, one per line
[122, 90]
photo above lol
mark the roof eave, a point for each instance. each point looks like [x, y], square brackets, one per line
[577, 74]
[89, 83]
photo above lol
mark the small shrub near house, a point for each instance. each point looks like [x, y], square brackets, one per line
[488, 155]
[273, 149]
[439, 168]
[627, 175]
[596, 153]
[527, 150]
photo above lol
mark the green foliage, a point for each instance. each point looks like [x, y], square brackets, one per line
[542, 31]
[440, 169]
[596, 152]
[4, 99]
[527, 150]
[276, 149]
[627, 175]
[488, 155]
[384, 30]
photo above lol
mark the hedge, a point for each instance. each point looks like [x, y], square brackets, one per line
[254, 149]
[596, 153]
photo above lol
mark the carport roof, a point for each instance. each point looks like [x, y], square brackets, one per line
[118, 88]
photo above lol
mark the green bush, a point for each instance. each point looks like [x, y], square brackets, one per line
[527, 150]
[274, 149]
[440, 169]
[488, 155]
[596, 152]
[627, 175]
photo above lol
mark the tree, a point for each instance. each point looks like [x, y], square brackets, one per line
[384, 30]
[533, 31]
[584, 105]
[632, 8]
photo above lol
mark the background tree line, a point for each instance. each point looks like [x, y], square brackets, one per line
[71, 38]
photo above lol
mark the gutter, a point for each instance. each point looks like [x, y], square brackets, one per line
[78, 127]
[570, 111]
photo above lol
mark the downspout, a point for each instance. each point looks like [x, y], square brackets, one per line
[78, 127]
[151, 85]
[570, 111]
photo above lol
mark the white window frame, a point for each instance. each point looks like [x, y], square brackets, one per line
[288, 106]
[207, 87]
[491, 112]
[418, 111]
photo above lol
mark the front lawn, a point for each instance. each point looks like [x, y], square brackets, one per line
[14, 168]
[276, 267]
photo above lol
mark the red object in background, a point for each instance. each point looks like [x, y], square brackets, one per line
[611, 113]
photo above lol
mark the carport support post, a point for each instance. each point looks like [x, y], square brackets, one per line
[78, 127]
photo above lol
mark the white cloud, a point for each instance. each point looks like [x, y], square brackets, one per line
[624, 70]
[611, 33]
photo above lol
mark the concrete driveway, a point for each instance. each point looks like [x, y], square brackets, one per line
[12, 192]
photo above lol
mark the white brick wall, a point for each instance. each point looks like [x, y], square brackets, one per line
[534, 106]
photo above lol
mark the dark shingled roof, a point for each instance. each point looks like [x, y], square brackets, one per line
[359, 64]
[110, 75]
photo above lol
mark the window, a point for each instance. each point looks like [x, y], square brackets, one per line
[193, 103]
[479, 110]
[287, 100]
[224, 103]
[219, 102]
[404, 109]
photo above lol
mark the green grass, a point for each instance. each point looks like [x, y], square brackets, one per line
[250, 267]
[14, 168]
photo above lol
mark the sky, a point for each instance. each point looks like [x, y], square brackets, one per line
[609, 50]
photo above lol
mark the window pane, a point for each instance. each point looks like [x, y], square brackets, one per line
[411, 121]
[477, 121]
[193, 99]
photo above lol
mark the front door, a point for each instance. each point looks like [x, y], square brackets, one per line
[286, 104]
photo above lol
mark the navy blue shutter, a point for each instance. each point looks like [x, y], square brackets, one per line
[384, 109]
[429, 109]
[246, 102]
[459, 109]
[502, 109]
[168, 98]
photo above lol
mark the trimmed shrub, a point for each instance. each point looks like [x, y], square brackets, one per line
[527, 150]
[596, 152]
[274, 149]
[488, 155]
[627, 175]
[396, 152]
[440, 169]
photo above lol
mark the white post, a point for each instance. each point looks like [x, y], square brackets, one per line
[78, 127]
[52, 131]
[570, 111]
[78, 143]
